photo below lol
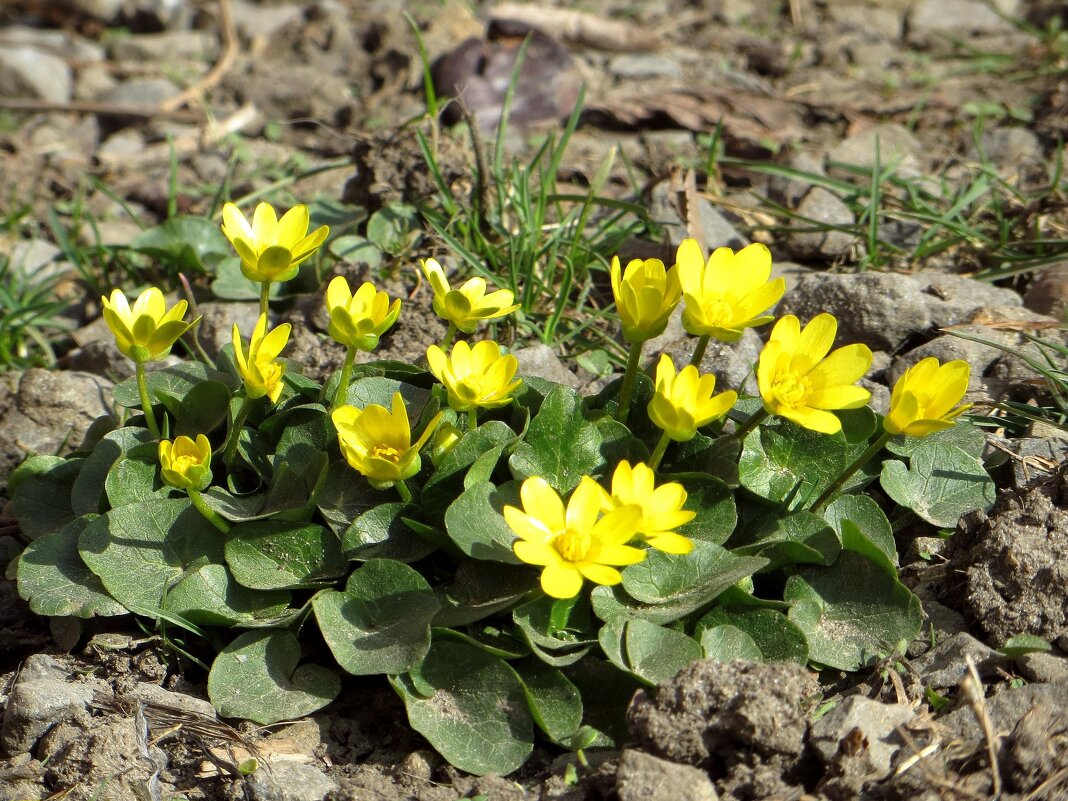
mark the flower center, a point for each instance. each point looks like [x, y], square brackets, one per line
[184, 463]
[271, 373]
[790, 390]
[387, 452]
[718, 312]
[573, 546]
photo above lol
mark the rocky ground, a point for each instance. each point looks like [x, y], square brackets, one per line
[99, 98]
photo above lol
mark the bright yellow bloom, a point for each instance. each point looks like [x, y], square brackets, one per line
[646, 293]
[728, 293]
[260, 372]
[798, 380]
[476, 376]
[925, 397]
[271, 249]
[683, 403]
[149, 330]
[186, 464]
[378, 443]
[661, 506]
[464, 307]
[358, 320]
[575, 543]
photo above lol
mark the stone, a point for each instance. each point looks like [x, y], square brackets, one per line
[290, 781]
[37, 260]
[821, 207]
[255, 20]
[732, 363]
[216, 327]
[861, 720]
[1004, 709]
[1048, 293]
[1045, 668]
[165, 47]
[41, 697]
[931, 18]
[634, 66]
[1011, 147]
[947, 348]
[945, 665]
[1038, 456]
[896, 145]
[143, 93]
[103, 10]
[154, 694]
[55, 42]
[715, 229]
[541, 361]
[954, 299]
[870, 19]
[29, 73]
[642, 777]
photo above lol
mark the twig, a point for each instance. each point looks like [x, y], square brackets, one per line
[215, 74]
[973, 692]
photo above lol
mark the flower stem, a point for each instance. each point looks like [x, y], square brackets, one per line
[230, 449]
[629, 377]
[146, 401]
[265, 296]
[450, 335]
[699, 350]
[758, 417]
[403, 491]
[209, 514]
[346, 374]
[658, 451]
[472, 418]
[847, 474]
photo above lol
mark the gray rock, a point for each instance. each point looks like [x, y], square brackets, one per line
[790, 190]
[34, 74]
[876, 723]
[946, 348]
[880, 394]
[1048, 293]
[790, 271]
[51, 410]
[103, 10]
[155, 15]
[821, 207]
[290, 781]
[878, 309]
[733, 364]
[216, 327]
[93, 81]
[946, 664]
[956, 17]
[41, 697]
[255, 20]
[58, 43]
[121, 146]
[954, 299]
[1012, 147]
[37, 260]
[1004, 709]
[1045, 668]
[871, 20]
[166, 47]
[1038, 456]
[154, 694]
[924, 548]
[715, 229]
[144, 93]
[644, 65]
[642, 777]
[541, 361]
[896, 145]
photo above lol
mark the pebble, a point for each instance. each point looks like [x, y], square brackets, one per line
[896, 144]
[644, 65]
[216, 328]
[1046, 668]
[103, 10]
[290, 781]
[821, 207]
[875, 722]
[946, 664]
[1012, 146]
[957, 17]
[642, 777]
[1048, 293]
[166, 47]
[541, 361]
[35, 75]
[143, 93]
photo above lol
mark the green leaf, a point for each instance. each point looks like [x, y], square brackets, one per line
[787, 538]
[230, 283]
[554, 702]
[55, 580]
[277, 554]
[560, 444]
[488, 442]
[379, 390]
[235, 508]
[201, 411]
[551, 646]
[174, 382]
[184, 243]
[941, 483]
[345, 496]
[208, 595]
[353, 249]
[606, 692]
[256, 677]
[656, 653]
[381, 622]
[777, 638]
[394, 228]
[871, 532]
[964, 435]
[477, 715]
[852, 611]
[382, 533]
[87, 495]
[134, 477]
[1020, 645]
[142, 549]
[41, 490]
[475, 522]
[713, 502]
[479, 589]
[727, 643]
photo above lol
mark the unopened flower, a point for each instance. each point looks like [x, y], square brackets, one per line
[260, 370]
[661, 506]
[466, 306]
[185, 463]
[684, 402]
[575, 543]
[925, 398]
[476, 376]
[728, 293]
[646, 293]
[800, 381]
[271, 249]
[378, 442]
[445, 439]
[359, 319]
[149, 330]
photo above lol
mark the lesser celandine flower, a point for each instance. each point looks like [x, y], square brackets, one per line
[186, 463]
[684, 402]
[475, 377]
[646, 293]
[147, 331]
[259, 370]
[378, 442]
[465, 307]
[800, 381]
[925, 398]
[359, 319]
[661, 506]
[575, 543]
[271, 249]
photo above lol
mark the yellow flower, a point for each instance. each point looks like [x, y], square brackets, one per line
[476, 376]
[260, 372]
[186, 464]
[798, 380]
[729, 293]
[464, 307]
[358, 320]
[683, 403]
[575, 543]
[149, 330]
[925, 397]
[271, 249]
[661, 506]
[378, 443]
[645, 294]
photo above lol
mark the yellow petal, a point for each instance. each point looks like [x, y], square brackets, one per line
[812, 419]
[848, 396]
[816, 339]
[600, 574]
[533, 552]
[234, 223]
[528, 528]
[337, 293]
[541, 500]
[561, 580]
[293, 227]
